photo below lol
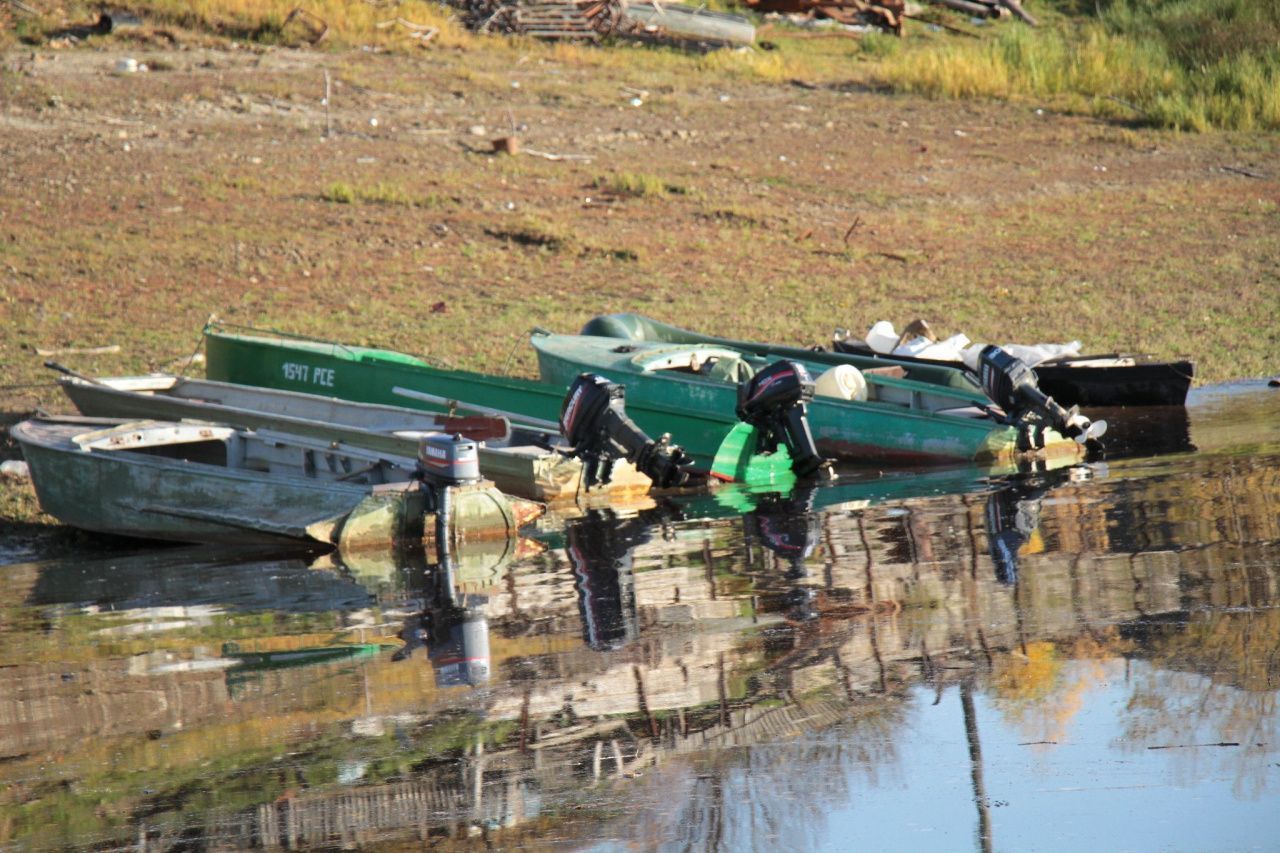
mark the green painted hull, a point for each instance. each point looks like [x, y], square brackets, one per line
[908, 427]
[638, 328]
[370, 375]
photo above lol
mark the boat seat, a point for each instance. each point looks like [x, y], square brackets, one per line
[733, 370]
[962, 412]
[892, 371]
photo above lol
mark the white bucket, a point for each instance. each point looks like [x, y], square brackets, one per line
[882, 338]
[844, 382]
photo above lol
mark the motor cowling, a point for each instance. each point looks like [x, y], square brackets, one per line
[775, 402]
[594, 421]
[1014, 387]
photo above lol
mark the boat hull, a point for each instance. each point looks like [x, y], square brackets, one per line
[524, 471]
[1141, 381]
[874, 433]
[370, 376]
[127, 494]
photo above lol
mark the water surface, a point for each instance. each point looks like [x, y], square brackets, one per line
[1087, 657]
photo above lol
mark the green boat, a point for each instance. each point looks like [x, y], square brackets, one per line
[641, 329]
[885, 419]
[362, 374]
[912, 427]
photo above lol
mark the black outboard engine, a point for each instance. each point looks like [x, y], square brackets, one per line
[1012, 517]
[789, 528]
[775, 402]
[593, 419]
[600, 546]
[1013, 386]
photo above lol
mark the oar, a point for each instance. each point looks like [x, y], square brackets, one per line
[53, 365]
[471, 407]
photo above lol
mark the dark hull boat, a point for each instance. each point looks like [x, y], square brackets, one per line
[1116, 379]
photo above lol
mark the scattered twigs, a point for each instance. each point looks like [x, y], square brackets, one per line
[1236, 170]
[549, 156]
[422, 32]
[946, 27]
[328, 99]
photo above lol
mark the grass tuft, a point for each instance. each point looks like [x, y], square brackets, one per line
[383, 192]
[639, 185]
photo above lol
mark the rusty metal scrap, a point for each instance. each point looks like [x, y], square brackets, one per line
[595, 19]
[885, 14]
[554, 19]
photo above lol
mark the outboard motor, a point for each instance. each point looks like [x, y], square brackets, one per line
[600, 547]
[593, 419]
[1013, 386]
[448, 460]
[789, 528]
[1012, 517]
[454, 628]
[775, 402]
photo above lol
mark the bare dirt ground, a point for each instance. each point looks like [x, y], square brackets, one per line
[134, 206]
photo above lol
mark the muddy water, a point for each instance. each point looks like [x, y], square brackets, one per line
[1083, 658]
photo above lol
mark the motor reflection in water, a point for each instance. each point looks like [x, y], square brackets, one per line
[841, 665]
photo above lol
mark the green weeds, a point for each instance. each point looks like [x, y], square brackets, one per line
[383, 192]
[639, 185]
[1187, 64]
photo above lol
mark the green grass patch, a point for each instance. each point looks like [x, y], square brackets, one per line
[340, 192]
[1186, 64]
[639, 185]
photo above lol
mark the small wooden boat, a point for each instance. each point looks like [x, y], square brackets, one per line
[516, 457]
[1113, 379]
[190, 482]
[891, 421]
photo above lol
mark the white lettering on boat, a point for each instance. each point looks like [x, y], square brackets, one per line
[304, 373]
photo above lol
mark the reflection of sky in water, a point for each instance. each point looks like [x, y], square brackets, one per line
[1101, 786]
[1097, 788]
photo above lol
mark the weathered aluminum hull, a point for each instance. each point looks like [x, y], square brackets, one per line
[525, 470]
[128, 494]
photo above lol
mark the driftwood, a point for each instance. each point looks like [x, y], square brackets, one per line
[107, 350]
[979, 10]
[1016, 8]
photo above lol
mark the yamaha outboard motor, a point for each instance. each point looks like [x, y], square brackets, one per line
[593, 419]
[454, 628]
[1013, 386]
[775, 402]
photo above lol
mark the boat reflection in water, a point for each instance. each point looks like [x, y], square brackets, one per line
[983, 666]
